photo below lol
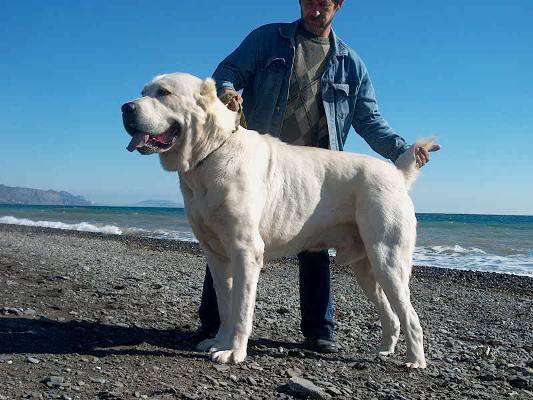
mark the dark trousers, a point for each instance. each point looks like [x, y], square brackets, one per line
[316, 301]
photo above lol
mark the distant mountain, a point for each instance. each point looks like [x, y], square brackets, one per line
[21, 195]
[156, 203]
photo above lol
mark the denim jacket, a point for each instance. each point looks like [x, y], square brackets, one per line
[262, 65]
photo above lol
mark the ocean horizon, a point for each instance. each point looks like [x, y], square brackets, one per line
[481, 242]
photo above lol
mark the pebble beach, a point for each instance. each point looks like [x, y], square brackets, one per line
[95, 316]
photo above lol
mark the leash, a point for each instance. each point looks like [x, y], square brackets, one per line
[229, 96]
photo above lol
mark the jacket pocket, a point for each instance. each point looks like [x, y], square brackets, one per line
[271, 76]
[345, 97]
[345, 94]
[267, 88]
[341, 89]
[276, 61]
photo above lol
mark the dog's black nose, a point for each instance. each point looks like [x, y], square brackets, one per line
[128, 108]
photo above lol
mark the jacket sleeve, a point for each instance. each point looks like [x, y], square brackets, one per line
[368, 122]
[237, 69]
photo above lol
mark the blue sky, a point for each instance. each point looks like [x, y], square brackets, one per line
[462, 71]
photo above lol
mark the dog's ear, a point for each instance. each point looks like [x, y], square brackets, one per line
[208, 93]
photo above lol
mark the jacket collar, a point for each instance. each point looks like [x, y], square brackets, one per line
[289, 30]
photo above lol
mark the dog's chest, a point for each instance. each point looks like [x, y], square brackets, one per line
[204, 229]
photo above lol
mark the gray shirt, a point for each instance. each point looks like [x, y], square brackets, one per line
[305, 122]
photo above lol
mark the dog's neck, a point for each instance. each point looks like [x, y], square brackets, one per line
[218, 126]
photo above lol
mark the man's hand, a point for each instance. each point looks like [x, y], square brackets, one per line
[422, 155]
[231, 99]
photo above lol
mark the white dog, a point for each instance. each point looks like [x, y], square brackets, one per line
[250, 198]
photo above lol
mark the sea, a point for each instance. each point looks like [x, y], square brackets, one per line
[495, 243]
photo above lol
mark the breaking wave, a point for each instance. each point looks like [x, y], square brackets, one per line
[472, 258]
[82, 226]
[100, 228]
[185, 236]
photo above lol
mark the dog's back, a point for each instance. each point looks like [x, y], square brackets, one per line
[310, 195]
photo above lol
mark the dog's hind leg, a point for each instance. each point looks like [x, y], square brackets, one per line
[389, 321]
[391, 269]
[388, 230]
[222, 281]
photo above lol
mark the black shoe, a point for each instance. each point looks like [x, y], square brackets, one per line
[203, 333]
[321, 345]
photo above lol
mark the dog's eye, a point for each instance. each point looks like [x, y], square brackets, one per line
[163, 92]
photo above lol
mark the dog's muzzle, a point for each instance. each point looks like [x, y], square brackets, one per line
[146, 142]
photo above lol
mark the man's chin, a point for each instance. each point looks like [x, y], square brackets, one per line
[316, 28]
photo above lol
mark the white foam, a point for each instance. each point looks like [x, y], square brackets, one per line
[185, 236]
[82, 226]
[176, 235]
[454, 250]
[472, 258]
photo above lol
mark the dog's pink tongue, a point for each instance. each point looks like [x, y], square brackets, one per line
[138, 140]
[161, 138]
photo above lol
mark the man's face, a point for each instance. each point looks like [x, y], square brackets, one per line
[318, 14]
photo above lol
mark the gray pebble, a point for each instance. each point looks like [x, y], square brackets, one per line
[53, 381]
[251, 381]
[519, 382]
[303, 387]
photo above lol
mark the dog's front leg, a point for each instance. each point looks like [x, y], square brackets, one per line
[222, 281]
[247, 262]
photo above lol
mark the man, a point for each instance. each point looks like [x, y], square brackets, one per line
[303, 84]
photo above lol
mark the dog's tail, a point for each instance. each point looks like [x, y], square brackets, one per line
[407, 160]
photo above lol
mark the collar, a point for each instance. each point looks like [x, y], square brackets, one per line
[199, 163]
[288, 31]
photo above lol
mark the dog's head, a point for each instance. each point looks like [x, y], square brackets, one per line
[177, 116]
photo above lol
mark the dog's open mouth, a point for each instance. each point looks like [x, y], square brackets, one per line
[146, 143]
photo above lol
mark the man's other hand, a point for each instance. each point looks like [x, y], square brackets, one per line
[422, 155]
[231, 99]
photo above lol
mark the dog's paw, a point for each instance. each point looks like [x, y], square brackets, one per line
[208, 345]
[416, 365]
[228, 356]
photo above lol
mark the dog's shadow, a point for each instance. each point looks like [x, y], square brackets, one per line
[22, 335]
[45, 336]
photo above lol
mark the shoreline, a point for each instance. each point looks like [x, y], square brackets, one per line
[194, 248]
[113, 316]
